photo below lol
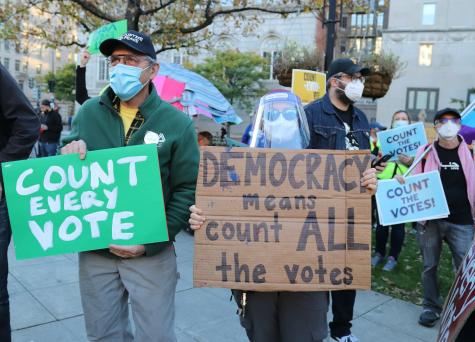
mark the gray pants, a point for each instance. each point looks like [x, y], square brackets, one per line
[430, 237]
[286, 316]
[106, 285]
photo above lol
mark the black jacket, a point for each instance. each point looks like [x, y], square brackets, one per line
[81, 90]
[19, 124]
[53, 120]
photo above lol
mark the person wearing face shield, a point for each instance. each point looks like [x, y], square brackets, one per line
[279, 123]
[399, 119]
[450, 156]
[130, 112]
[337, 124]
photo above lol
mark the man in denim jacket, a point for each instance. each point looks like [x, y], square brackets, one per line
[336, 124]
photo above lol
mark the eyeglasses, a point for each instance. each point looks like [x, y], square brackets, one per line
[126, 59]
[352, 77]
[445, 120]
[288, 114]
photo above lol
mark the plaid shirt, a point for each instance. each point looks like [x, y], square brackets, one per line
[136, 123]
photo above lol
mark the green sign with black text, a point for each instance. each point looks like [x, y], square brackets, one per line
[63, 204]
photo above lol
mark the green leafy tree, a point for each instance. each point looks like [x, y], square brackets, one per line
[64, 81]
[237, 75]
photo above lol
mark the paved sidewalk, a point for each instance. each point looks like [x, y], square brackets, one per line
[45, 306]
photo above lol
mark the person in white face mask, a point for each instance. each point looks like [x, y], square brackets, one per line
[450, 156]
[337, 124]
[400, 119]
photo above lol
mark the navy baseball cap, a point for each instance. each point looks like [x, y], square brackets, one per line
[133, 40]
[444, 111]
[347, 66]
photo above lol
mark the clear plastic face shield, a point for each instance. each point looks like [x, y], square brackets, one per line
[280, 122]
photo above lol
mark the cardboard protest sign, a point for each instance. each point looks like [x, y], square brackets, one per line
[63, 204]
[283, 220]
[112, 30]
[421, 198]
[460, 303]
[403, 140]
[308, 85]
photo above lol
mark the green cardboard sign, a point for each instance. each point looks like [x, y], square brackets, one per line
[112, 30]
[63, 204]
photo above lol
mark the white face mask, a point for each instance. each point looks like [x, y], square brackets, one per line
[400, 123]
[354, 90]
[448, 131]
[283, 133]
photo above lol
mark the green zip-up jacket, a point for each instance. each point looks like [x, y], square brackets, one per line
[100, 126]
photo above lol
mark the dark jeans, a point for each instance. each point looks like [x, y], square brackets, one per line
[285, 316]
[397, 239]
[5, 234]
[342, 309]
[48, 149]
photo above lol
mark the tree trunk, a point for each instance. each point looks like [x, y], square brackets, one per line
[132, 14]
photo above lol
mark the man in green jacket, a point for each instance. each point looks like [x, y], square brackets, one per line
[129, 113]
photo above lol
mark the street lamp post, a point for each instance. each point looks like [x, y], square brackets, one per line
[330, 23]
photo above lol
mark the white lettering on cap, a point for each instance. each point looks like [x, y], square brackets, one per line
[132, 37]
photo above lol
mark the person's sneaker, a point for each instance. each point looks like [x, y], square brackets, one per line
[390, 264]
[428, 318]
[347, 338]
[376, 259]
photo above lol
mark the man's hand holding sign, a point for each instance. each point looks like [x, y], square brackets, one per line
[79, 147]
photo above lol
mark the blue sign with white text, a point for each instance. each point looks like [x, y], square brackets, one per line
[421, 198]
[402, 140]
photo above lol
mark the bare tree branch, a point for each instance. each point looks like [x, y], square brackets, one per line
[209, 17]
[157, 9]
[179, 45]
[94, 10]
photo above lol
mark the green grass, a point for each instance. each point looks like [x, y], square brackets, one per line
[404, 282]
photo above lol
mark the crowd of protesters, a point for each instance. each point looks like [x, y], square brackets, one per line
[146, 275]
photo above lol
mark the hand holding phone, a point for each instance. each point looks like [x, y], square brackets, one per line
[383, 159]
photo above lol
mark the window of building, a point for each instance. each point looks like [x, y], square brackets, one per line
[21, 84]
[470, 96]
[422, 99]
[6, 63]
[344, 22]
[6, 44]
[271, 51]
[25, 66]
[380, 20]
[428, 14]
[38, 68]
[17, 65]
[178, 57]
[425, 54]
[103, 69]
[378, 45]
[17, 47]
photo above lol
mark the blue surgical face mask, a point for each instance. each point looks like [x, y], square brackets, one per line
[400, 123]
[125, 81]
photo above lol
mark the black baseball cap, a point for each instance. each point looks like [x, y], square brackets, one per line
[134, 40]
[444, 111]
[347, 66]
